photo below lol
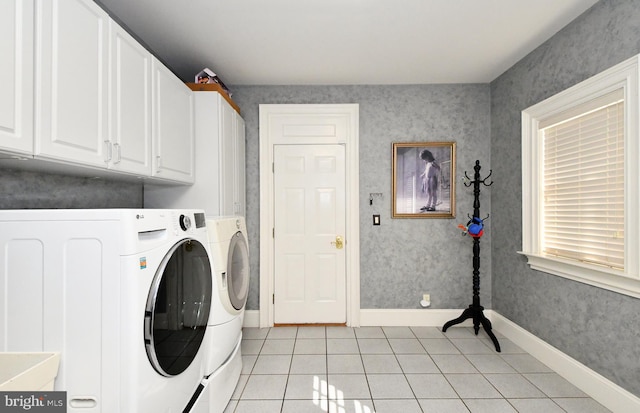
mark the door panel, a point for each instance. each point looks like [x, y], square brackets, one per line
[310, 276]
[16, 76]
[130, 116]
[71, 81]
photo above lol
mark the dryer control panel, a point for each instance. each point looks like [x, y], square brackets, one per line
[201, 221]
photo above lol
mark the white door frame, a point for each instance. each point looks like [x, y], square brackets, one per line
[352, 234]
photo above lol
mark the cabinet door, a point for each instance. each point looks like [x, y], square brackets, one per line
[173, 132]
[129, 103]
[16, 76]
[232, 161]
[227, 158]
[71, 76]
[240, 168]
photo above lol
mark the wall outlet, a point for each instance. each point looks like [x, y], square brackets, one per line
[426, 301]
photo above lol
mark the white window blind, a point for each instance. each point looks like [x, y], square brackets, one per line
[583, 184]
[580, 180]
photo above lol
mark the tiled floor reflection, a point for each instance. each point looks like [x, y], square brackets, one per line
[395, 370]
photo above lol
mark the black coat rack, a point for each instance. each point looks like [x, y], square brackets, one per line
[475, 310]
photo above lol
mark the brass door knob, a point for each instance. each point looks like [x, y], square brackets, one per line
[339, 242]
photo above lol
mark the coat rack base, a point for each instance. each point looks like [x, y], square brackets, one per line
[476, 313]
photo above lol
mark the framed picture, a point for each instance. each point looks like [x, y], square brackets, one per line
[423, 182]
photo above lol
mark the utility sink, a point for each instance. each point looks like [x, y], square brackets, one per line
[28, 371]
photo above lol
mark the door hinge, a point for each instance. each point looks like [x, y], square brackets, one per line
[273, 167]
[273, 232]
[273, 299]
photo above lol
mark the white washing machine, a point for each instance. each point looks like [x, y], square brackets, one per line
[230, 255]
[123, 295]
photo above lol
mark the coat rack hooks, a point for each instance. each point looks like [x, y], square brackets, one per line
[468, 182]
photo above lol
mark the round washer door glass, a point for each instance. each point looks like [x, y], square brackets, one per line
[238, 271]
[178, 308]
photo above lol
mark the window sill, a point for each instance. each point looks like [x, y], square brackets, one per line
[607, 279]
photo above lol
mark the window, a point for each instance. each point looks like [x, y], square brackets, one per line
[580, 183]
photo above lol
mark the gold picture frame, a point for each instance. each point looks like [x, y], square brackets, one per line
[423, 181]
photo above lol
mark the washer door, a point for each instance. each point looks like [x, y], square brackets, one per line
[237, 276]
[178, 308]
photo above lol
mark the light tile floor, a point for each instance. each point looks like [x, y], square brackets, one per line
[395, 370]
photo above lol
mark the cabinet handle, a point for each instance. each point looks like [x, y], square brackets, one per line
[109, 151]
[118, 153]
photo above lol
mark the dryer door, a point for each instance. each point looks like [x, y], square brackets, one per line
[178, 308]
[237, 277]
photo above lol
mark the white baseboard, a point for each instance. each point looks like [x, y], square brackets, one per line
[251, 318]
[601, 389]
[428, 318]
[402, 317]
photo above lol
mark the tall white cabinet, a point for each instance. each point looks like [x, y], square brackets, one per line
[219, 186]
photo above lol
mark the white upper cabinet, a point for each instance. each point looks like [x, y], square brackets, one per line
[232, 160]
[72, 82]
[129, 104]
[78, 90]
[173, 126]
[226, 139]
[16, 76]
[240, 180]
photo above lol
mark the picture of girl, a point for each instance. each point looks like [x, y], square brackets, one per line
[422, 180]
[430, 180]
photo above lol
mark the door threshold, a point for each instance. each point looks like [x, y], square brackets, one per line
[310, 324]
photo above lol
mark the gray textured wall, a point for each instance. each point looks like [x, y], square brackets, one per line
[402, 258]
[21, 189]
[597, 327]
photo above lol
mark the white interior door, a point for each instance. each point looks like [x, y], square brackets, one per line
[309, 231]
[308, 130]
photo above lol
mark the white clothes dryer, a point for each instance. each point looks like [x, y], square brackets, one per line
[123, 295]
[230, 255]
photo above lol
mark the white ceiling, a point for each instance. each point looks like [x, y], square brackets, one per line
[319, 42]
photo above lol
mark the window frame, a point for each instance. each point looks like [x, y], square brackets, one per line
[623, 76]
